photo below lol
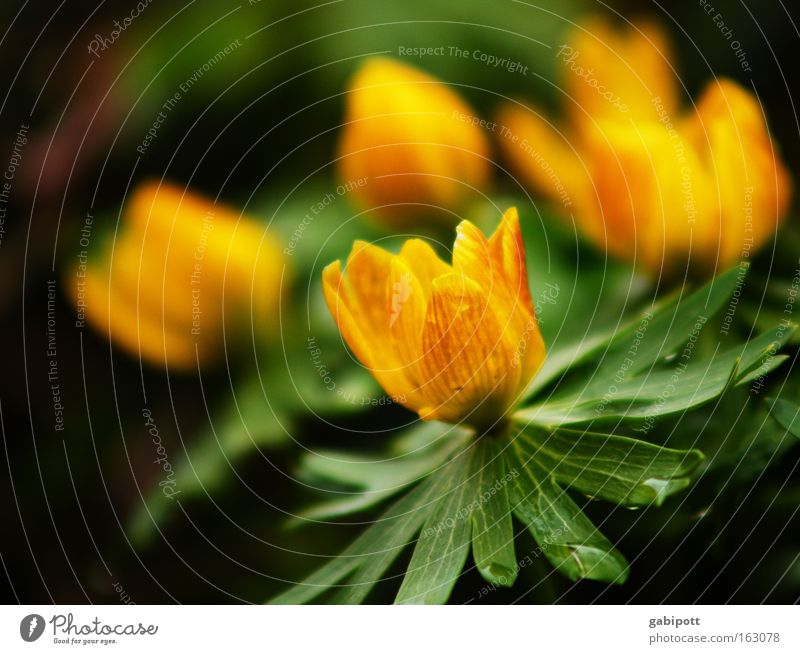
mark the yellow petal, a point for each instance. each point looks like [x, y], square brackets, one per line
[466, 368]
[724, 99]
[406, 307]
[222, 252]
[421, 257]
[183, 272]
[753, 186]
[365, 287]
[615, 73]
[407, 137]
[543, 155]
[473, 258]
[508, 254]
[656, 199]
[140, 332]
[358, 302]
[250, 264]
[332, 288]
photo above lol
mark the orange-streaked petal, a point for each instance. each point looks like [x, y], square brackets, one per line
[472, 256]
[375, 353]
[406, 304]
[364, 288]
[508, 253]
[465, 369]
[332, 288]
[422, 258]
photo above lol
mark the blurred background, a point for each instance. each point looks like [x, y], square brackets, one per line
[242, 102]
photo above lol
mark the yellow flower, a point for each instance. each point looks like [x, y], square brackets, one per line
[644, 180]
[611, 73]
[412, 140]
[456, 343]
[183, 276]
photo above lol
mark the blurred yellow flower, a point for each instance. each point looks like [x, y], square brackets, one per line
[456, 343]
[614, 73]
[644, 180]
[413, 139]
[183, 277]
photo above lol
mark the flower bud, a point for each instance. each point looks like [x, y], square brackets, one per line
[413, 139]
[666, 189]
[182, 275]
[614, 73]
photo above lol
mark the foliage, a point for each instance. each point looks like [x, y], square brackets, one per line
[563, 445]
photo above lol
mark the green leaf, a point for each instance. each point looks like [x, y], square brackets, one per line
[666, 328]
[738, 437]
[475, 505]
[468, 503]
[622, 470]
[563, 533]
[565, 358]
[492, 528]
[652, 335]
[665, 391]
[463, 504]
[443, 547]
[371, 553]
[787, 414]
[375, 478]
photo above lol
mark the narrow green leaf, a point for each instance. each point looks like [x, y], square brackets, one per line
[563, 533]
[444, 544]
[757, 374]
[664, 329]
[317, 583]
[492, 528]
[664, 391]
[622, 470]
[370, 554]
[563, 358]
[373, 568]
[374, 478]
[653, 335]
